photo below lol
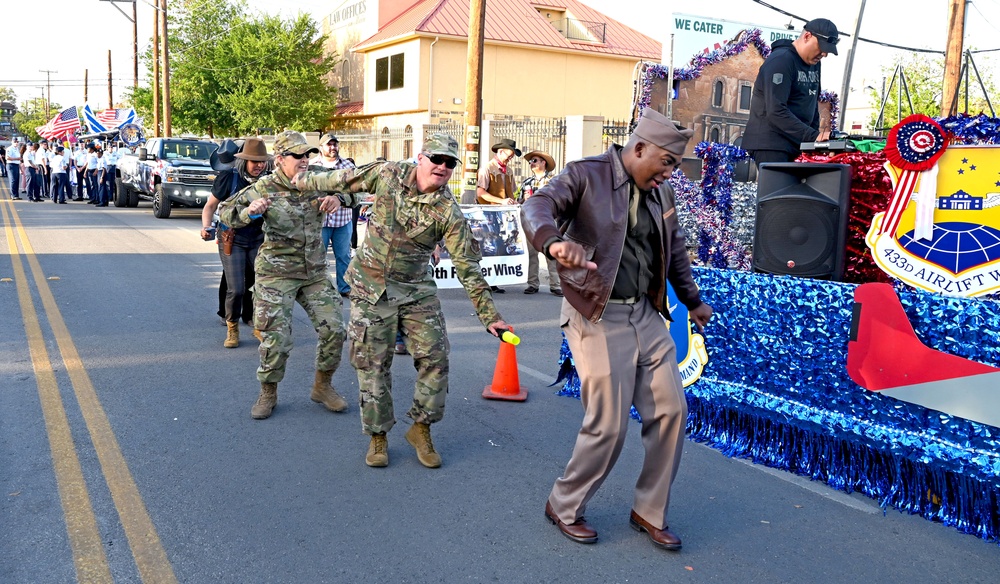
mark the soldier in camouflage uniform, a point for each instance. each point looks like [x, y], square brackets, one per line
[392, 287]
[291, 267]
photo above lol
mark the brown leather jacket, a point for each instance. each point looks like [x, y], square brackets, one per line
[588, 203]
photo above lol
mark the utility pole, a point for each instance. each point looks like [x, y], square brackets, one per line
[473, 99]
[85, 84]
[111, 96]
[845, 91]
[953, 56]
[166, 71]
[48, 85]
[156, 71]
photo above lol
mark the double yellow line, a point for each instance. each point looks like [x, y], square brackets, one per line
[85, 540]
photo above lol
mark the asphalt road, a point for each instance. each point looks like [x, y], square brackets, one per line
[128, 452]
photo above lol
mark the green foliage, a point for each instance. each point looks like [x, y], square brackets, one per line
[31, 115]
[233, 72]
[925, 79]
[8, 94]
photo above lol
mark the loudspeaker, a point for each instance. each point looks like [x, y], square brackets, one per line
[802, 212]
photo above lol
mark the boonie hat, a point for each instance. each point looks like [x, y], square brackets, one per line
[440, 143]
[825, 32]
[289, 142]
[327, 138]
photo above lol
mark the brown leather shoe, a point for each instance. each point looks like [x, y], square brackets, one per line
[661, 538]
[579, 531]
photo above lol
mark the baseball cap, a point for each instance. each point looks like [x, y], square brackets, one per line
[327, 138]
[440, 143]
[292, 142]
[825, 32]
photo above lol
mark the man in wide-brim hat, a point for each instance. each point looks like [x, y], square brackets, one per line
[496, 183]
[541, 165]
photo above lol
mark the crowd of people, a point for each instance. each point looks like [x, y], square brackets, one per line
[42, 171]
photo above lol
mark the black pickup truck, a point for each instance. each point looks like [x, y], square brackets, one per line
[167, 171]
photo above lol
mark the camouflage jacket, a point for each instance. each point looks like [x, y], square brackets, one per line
[293, 225]
[403, 230]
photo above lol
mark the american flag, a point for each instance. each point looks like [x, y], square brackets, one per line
[113, 118]
[63, 123]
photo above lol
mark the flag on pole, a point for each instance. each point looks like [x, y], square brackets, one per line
[115, 118]
[93, 122]
[63, 123]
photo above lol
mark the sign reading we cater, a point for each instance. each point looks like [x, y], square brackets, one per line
[957, 253]
[700, 34]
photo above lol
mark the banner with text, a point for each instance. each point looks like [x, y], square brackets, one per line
[504, 249]
[700, 34]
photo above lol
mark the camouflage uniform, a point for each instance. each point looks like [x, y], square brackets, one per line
[291, 267]
[392, 286]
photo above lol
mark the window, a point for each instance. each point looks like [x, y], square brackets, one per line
[408, 143]
[717, 94]
[745, 90]
[714, 135]
[389, 72]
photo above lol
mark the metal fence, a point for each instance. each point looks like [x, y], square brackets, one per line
[615, 132]
[544, 134]
[370, 145]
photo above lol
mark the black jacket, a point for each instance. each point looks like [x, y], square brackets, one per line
[784, 108]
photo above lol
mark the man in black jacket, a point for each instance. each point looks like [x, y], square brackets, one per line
[784, 109]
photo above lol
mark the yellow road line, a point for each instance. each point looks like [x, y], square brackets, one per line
[150, 557]
[84, 538]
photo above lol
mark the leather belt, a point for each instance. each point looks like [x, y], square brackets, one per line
[626, 301]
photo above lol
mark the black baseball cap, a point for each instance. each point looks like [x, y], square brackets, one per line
[825, 32]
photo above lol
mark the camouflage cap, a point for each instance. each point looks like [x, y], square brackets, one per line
[439, 143]
[289, 142]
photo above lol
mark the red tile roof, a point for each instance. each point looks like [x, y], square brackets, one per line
[514, 21]
[350, 109]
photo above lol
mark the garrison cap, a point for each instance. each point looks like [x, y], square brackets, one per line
[292, 142]
[440, 143]
[657, 129]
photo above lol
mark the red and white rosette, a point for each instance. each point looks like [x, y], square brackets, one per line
[914, 146]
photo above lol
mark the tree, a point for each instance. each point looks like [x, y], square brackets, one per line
[924, 79]
[8, 94]
[233, 72]
[31, 115]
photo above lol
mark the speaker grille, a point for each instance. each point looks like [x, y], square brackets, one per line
[797, 236]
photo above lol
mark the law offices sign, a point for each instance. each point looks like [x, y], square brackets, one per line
[700, 34]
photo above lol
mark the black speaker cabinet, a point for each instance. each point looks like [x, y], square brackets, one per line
[802, 212]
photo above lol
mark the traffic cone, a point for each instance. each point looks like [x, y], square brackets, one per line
[506, 385]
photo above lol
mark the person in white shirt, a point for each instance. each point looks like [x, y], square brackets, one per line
[102, 171]
[111, 160]
[92, 174]
[14, 168]
[34, 180]
[42, 167]
[80, 162]
[59, 163]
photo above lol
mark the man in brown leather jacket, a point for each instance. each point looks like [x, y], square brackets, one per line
[619, 244]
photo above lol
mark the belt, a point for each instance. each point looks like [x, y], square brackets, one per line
[626, 301]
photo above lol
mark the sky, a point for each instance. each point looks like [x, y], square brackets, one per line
[891, 21]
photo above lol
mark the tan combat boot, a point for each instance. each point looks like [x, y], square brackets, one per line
[378, 451]
[232, 335]
[266, 401]
[419, 436]
[325, 394]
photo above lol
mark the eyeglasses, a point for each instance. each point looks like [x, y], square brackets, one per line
[296, 156]
[447, 161]
[534, 160]
[833, 40]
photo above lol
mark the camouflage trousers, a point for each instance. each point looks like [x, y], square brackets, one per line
[372, 333]
[274, 299]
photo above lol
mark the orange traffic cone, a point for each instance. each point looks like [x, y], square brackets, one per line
[506, 385]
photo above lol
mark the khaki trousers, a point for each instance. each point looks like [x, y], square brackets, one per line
[626, 359]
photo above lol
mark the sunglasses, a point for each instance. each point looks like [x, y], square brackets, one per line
[296, 156]
[447, 161]
[832, 40]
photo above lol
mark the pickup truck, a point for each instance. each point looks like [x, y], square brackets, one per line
[167, 171]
